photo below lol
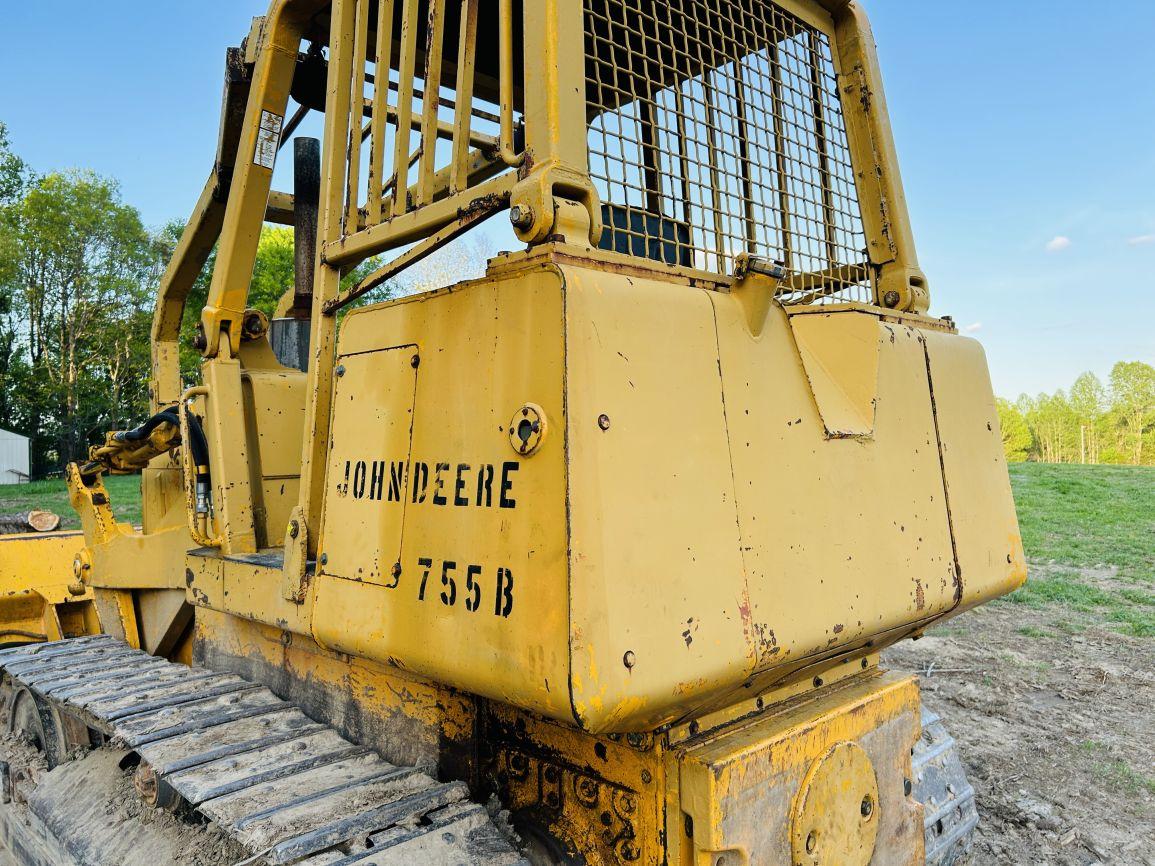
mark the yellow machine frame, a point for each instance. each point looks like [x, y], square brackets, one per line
[621, 737]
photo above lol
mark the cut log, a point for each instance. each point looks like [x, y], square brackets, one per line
[29, 521]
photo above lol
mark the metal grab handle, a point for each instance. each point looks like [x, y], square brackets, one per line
[505, 84]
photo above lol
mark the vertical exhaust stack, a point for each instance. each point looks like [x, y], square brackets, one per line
[290, 335]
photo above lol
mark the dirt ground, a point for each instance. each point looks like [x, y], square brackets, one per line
[1055, 716]
[98, 815]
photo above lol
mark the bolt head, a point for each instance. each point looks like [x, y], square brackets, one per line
[604, 422]
[629, 659]
[628, 850]
[521, 216]
[891, 299]
[294, 529]
[324, 559]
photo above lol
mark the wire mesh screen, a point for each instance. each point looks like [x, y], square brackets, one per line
[715, 128]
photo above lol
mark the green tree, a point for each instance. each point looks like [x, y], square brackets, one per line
[1089, 403]
[1133, 402]
[273, 273]
[1052, 420]
[78, 288]
[13, 176]
[13, 171]
[1017, 437]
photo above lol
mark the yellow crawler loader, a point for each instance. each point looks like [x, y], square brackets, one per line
[587, 561]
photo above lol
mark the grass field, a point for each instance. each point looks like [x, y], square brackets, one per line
[123, 490]
[1089, 532]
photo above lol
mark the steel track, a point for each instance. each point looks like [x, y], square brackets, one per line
[282, 786]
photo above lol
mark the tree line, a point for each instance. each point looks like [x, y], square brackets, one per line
[1092, 422]
[79, 276]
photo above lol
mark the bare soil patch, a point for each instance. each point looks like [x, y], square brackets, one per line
[1054, 713]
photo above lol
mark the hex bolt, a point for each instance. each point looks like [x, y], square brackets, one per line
[907, 787]
[587, 790]
[551, 774]
[415, 361]
[396, 570]
[647, 777]
[340, 371]
[629, 659]
[324, 559]
[294, 529]
[521, 216]
[867, 807]
[891, 299]
[604, 422]
[628, 851]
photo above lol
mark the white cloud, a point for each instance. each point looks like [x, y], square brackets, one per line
[1141, 240]
[973, 327]
[1058, 243]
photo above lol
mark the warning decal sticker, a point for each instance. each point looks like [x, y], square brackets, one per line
[268, 139]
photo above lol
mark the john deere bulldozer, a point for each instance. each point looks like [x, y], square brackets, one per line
[589, 560]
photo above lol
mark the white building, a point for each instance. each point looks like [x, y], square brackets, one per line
[13, 458]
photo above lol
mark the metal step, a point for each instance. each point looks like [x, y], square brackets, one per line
[287, 789]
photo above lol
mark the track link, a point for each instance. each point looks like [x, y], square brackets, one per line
[940, 784]
[285, 788]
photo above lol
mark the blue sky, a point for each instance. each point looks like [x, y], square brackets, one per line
[1026, 132]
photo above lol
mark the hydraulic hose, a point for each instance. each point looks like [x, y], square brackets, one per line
[195, 468]
[198, 447]
[142, 432]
